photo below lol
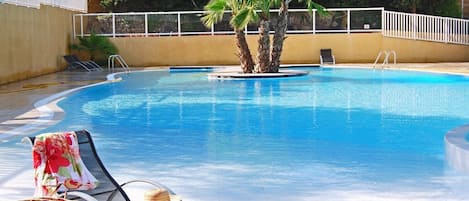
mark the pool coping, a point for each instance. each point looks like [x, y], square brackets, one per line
[46, 112]
[457, 148]
[224, 75]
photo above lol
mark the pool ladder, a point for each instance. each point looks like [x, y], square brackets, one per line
[111, 61]
[386, 54]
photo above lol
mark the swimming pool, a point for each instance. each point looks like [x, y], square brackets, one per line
[336, 134]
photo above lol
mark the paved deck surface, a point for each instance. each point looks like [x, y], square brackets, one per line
[17, 110]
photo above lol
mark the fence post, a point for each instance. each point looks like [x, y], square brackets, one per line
[74, 28]
[414, 26]
[314, 21]
[146, 24]
[446, 30]
[348, 21]
[212, 29]
[179, 23]
[383, 23]
[113, 25]
[81, 25]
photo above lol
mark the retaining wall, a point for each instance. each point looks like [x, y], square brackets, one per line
[298, 48]
[32, 41]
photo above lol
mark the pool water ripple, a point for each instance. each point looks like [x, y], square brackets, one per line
[336, 134]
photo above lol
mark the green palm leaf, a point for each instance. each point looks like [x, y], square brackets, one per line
[216, 9]
[244, 17]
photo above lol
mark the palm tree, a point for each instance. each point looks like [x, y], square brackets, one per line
[263, 50]
[242, 13]
[281, 30]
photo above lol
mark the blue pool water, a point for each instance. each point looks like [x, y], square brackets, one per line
[336, 134]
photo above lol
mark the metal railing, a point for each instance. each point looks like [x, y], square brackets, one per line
[111, 63]
[145, 24]
[386, 55]
[339, 20]
[425, 27]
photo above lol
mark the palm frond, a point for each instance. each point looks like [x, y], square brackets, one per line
[311, 5]
[245, 16]
[275, 3]
[212, 18]
[215, 10]
[264, 6]
[216, 6]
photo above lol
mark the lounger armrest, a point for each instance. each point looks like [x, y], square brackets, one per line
[94, 64]
[27, 140]
[153, 183]
[82, 64]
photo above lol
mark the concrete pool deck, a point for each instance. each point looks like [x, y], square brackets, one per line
[18, 110]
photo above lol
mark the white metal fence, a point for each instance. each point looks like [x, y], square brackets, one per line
[188, 23]
[342, 20]
[425, 27]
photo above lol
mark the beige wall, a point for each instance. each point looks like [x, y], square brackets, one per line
[299, 48]
[422, 51]
[32, 41]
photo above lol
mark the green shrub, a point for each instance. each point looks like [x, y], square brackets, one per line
[99, 48]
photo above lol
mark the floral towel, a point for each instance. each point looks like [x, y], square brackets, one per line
[57, 163]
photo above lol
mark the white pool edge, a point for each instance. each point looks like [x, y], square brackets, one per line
[457, 148]
[47, 109]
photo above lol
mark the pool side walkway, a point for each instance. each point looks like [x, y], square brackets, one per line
[18, 98]
[453, 68]
[18, 112]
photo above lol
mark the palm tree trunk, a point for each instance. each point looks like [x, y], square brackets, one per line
[279, 37]
[247, 64]
[263, 51]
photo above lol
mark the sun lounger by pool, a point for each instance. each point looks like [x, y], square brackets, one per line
[107, 188]
[327, 57]
[73, 62]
